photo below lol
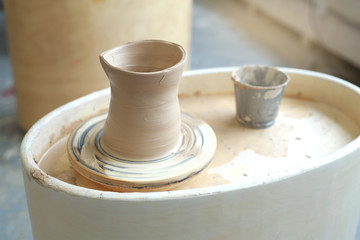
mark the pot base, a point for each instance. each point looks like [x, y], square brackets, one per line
[89, 158]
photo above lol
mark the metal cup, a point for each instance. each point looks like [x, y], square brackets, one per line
[258, 93]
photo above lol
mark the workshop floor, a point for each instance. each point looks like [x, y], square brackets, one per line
[224, 33]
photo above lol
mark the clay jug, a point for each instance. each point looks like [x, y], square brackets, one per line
[144, 117]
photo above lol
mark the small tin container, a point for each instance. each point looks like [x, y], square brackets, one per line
[258, 93]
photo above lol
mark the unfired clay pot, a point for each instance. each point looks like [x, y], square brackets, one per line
[144, 142]
[144, 117]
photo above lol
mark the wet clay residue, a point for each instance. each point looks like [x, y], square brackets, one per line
[303, 132]
[37, 175]
[55, 163]
[65, 130]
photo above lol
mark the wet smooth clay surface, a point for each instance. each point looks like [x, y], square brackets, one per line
[144, 113]
[303, 132]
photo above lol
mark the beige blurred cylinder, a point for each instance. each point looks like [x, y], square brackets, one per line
[55, 45]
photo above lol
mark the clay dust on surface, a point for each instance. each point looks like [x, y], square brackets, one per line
[303, 131]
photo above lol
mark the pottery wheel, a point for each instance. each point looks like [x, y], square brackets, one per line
[89, 159]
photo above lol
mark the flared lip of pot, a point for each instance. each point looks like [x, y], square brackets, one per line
[254, 87]
[178, 64]
[32, 171]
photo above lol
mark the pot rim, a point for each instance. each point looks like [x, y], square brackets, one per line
[176, 65]
[32, 170]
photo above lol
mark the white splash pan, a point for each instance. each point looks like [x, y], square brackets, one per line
[319, 199]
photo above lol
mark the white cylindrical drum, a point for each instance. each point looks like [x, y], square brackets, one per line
[306, 187]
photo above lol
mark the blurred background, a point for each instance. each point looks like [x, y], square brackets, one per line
[319, 35]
